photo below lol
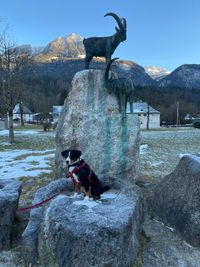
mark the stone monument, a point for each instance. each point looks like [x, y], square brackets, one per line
[75, 232]
[70, 232]
[90, 121]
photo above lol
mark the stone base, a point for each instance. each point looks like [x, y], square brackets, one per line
[74, 232]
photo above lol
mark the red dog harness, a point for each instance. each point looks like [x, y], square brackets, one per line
[78, 168]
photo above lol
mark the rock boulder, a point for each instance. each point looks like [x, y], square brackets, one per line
[74, 232]
[9, 197]
[176, 200]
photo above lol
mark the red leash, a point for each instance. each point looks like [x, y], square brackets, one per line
[50, 198]
[38, 204]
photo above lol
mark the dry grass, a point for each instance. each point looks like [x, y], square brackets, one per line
[162, 150]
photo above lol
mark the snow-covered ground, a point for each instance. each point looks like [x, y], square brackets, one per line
[161, 150]
[28, 132]
[16, 163]
[19, 163]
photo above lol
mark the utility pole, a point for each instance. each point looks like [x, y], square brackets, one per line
[148, 116]
[177, 113]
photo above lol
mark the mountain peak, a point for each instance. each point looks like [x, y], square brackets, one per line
[69, 46]
[156, 73]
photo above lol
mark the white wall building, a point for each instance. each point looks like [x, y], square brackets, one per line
[27, 114]
[56, 112]
[142, 109]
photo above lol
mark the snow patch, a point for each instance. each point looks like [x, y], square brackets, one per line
[88, 203]
[28, 132]
[4, 132]
[31, 165]
[108, 196]
[154, 164]
[59, 197]
[5, 144]
[91, 203]
[184, 154]
[143, 149]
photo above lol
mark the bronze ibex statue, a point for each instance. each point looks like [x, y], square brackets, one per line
[105, 46]
[123, 87]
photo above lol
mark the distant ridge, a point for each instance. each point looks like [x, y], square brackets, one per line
[69, 51]
[185, 76]
[67, 68]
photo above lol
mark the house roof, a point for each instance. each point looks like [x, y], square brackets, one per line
[57, 110]
[142, 107]
[16, 110]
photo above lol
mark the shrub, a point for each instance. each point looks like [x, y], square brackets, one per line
[196, 124]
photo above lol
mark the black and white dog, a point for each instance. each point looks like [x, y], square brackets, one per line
[82, 176]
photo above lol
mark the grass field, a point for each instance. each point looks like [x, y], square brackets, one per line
[162, 149]
[30, 159]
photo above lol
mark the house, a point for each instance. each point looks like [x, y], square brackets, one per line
[142, 109]
[27, 114]
[56, 112]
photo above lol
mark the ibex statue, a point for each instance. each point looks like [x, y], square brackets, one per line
[105, 46]
[123, 87]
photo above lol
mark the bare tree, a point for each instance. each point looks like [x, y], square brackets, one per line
[23, 61]
[8, 88]
[12, 66]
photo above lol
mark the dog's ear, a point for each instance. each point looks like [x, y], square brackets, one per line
[65, 153]
[77, 153]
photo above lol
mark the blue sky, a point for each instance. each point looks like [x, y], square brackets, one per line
[160, 32]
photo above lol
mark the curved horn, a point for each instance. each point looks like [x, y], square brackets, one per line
[112, 60]
[108, 68]
[123, 21]
[121, 26]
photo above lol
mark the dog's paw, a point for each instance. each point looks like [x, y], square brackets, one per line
[79, 196]
[86, 198]
[75, 195]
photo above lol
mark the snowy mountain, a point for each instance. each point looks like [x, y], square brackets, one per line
[185, 76]
[156, 73]
[68, 46]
